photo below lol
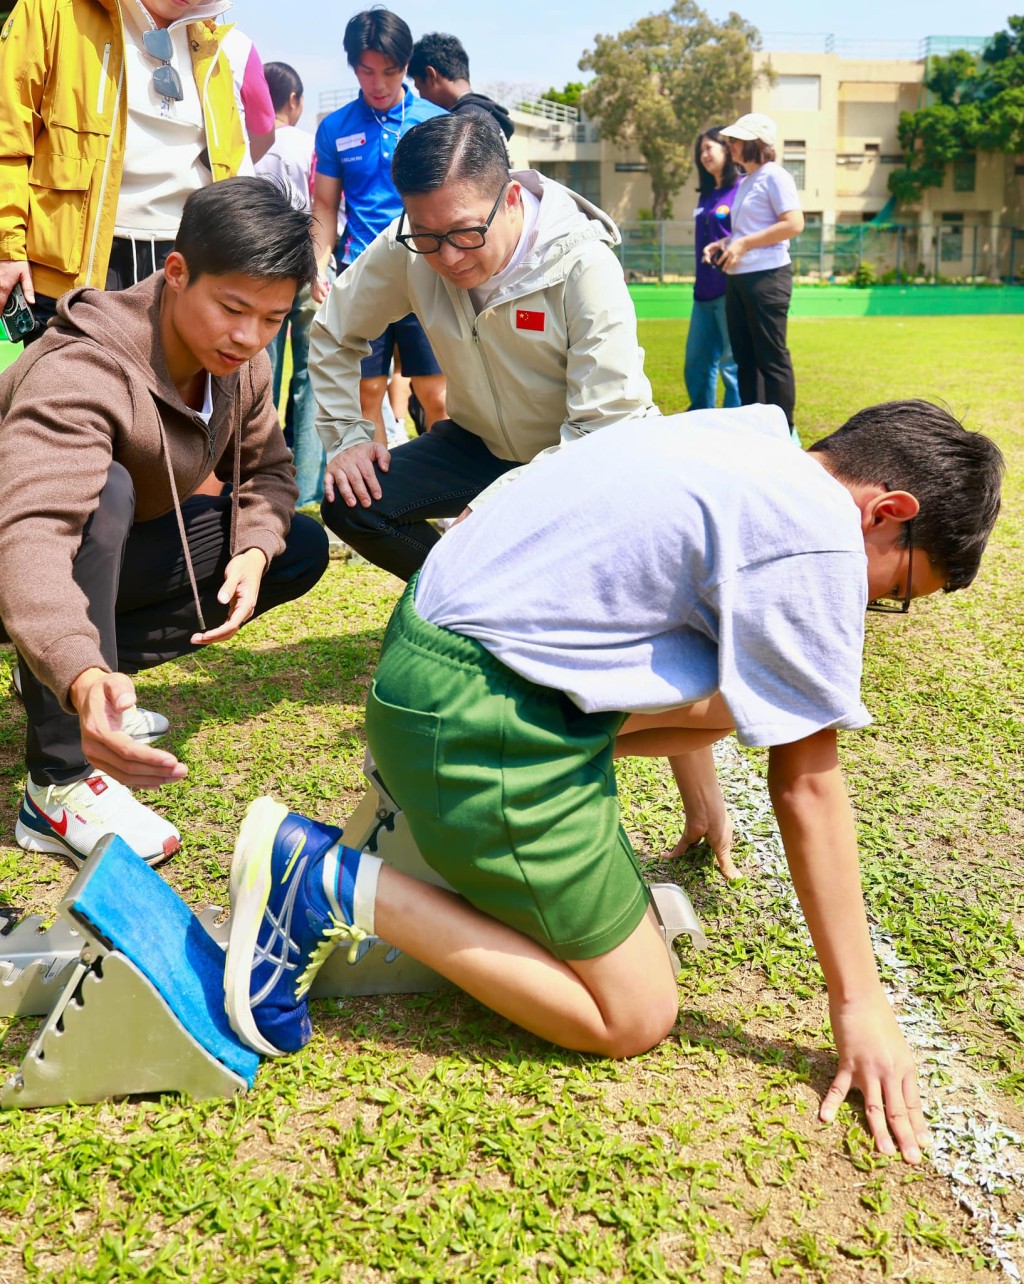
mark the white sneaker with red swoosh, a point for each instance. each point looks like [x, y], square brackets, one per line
[70, 820]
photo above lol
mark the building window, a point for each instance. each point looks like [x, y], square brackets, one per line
[796, 163]
[965, 170]
[951, 238]
[797, 93]
[630, 167]
[583, 177]
[873, 149]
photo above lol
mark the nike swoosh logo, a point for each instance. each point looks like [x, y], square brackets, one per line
[61, 826]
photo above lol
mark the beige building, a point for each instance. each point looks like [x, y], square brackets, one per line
[838, 112]
[838, 118]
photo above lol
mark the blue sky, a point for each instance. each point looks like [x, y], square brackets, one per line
[536, 43]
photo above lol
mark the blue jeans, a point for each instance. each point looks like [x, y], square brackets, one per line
[707, 352]
[300, 414]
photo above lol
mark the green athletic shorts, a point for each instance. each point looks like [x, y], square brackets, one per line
[508, 788]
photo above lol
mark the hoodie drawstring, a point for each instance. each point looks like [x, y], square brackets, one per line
[181, 526]
[236, 481]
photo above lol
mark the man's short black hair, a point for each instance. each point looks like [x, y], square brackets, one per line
[380, 31]
[282, 81]
[453, 148]
[442, 52]
[246, 225]
[955, 475]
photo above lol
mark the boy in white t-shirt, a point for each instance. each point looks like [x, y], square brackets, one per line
[653, 588]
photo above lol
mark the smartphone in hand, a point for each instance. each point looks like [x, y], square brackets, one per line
[17, 317]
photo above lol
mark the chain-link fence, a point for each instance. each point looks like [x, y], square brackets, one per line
[887, 253]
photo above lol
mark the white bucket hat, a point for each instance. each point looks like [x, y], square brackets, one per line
[754, 125]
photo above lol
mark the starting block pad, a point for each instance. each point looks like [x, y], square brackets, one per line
[133, 981]
[142, 1010]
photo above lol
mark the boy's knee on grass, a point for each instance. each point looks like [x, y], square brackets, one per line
[646, 1026]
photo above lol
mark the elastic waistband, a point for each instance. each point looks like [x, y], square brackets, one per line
[453, 647]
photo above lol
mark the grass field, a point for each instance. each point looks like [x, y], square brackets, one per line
[425, 1139]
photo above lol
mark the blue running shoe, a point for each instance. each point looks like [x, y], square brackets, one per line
[291, 906]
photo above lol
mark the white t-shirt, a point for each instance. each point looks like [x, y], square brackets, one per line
[289, 163]
[163, 138]
[658, 561]
[763, 197]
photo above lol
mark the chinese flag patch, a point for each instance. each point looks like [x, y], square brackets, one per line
[529, 320]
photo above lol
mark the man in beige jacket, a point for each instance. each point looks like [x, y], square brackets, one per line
[516, 284]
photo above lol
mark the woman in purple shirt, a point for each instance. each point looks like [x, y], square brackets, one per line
[708, 351]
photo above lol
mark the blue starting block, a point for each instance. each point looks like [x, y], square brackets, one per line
[142, 1010]
[132, 982]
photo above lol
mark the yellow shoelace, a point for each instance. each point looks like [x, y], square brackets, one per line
[330, 941]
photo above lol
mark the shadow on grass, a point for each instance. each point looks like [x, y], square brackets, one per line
[233, 683]
[451, 1023]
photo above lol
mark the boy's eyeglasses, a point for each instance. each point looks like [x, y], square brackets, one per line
[459, 238]
[897, 606]
[166, 80]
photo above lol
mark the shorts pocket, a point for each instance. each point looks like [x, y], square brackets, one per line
[406, 746]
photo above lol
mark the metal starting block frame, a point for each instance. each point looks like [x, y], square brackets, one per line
[86, 990]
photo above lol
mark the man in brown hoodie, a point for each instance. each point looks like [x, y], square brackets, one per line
[109, 562]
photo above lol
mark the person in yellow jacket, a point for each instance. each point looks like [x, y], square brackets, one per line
[96, 163]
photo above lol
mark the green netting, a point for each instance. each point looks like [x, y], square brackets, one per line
[882, 251]
[675, 301]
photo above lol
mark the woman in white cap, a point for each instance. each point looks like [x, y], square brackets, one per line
[755, 258]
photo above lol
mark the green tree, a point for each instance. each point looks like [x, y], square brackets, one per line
[979, 107]
[569, 96]
[658, 83]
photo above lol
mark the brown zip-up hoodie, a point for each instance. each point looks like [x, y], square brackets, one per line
[93, 389]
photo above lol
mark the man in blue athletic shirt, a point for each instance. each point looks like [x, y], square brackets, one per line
[354, 146]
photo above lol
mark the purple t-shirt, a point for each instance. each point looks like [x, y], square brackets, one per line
[713, 221]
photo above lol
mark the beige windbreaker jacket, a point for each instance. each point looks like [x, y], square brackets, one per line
[553, 355]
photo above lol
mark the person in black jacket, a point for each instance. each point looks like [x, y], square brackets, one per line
[439, 68]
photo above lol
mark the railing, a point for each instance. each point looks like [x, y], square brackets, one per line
[332, 99]
[559, 113]
[885, 254]
[909, 50]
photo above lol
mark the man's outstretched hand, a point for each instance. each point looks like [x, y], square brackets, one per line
[242, 578]
[101, 700]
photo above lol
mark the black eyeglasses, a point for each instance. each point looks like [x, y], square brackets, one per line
[896, 606]
[459, 238]
[166, 80]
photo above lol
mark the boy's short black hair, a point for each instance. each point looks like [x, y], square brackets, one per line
[246, 225]
[955, 475]
[282, 81]
[442, 52]
[379, 31]
[456, 147]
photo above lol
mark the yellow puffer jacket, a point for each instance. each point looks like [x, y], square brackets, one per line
[62, 130]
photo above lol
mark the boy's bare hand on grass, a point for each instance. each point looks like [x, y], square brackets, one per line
[874, 1057]
[718, 835]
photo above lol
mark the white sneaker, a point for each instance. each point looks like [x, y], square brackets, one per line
[70, 820]
[141, 724]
